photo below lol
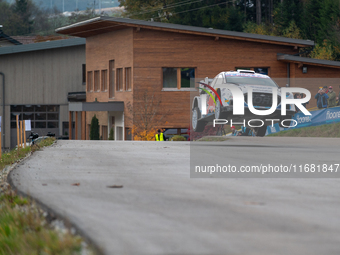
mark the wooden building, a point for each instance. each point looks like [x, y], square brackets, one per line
[126, 57]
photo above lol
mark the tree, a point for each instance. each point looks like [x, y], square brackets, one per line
[148, 117]
[324, 51]
[111, 135]
[94, 129]
[292, 31]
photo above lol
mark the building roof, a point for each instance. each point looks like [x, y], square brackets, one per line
[310, 61]
[3, 36]
[42, 46]
[24, 39]
[108, 24]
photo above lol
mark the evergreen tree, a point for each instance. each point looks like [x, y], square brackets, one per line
[311, 24]
[111, 135]
[94, 128]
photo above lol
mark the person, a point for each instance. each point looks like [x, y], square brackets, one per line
[234, 132]
[322, 98]
[245, 131]
[160, 136]
[331, 97]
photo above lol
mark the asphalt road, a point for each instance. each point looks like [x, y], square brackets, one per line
[161, 210]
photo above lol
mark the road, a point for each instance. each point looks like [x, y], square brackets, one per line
[161, 210]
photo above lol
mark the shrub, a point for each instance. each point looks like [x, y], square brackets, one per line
[111, 135]
[94, 129]
[178, 138]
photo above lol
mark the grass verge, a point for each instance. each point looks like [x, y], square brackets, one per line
[328, 130]
[23, 227]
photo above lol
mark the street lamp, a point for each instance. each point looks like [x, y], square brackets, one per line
[3, 109]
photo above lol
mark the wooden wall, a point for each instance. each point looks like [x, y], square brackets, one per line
[100, 49]
[148, 51]
[154, 50]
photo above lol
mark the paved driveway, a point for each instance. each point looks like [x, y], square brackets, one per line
[161, 210]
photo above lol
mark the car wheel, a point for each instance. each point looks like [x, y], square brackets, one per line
[261, 131]
[197, 125]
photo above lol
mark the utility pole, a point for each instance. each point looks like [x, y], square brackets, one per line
[3, 111]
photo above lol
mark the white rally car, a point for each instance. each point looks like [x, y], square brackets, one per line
[206, 107]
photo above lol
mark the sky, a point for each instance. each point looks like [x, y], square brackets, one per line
[71, 5]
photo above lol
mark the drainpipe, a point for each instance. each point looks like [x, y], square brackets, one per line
[288, 75]
[3, 109]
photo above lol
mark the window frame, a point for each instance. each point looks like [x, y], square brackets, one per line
[119, 79]
[112, 79]
[178, 78]
[96, 80]
[89, 81]
[128, 78]
[103, 80]
[83, 74]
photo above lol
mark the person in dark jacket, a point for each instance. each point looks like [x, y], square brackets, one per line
[322, 98]
[331, 97]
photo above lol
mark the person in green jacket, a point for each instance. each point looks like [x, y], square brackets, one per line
[331, 97]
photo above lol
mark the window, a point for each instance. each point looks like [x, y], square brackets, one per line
[89, 81]
[128, 78]
[41, 116]
[186, 75]
[104, 80]
[83, 74]
[119, 79]
[96, 80]
[260, 70]
[177, 77]
[169, 77]
[112, 78]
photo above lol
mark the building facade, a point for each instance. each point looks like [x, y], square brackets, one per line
[39, 81]
[126, 58]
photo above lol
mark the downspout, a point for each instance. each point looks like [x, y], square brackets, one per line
[288, 75]
[3, 109]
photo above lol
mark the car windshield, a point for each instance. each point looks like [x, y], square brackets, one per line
[251, 81]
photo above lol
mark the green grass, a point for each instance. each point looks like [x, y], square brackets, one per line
[23, 228]
[328, 130]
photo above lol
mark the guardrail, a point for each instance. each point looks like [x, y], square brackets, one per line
[318, 117]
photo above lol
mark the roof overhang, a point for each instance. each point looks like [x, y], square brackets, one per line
[101, 25]
[96, 106]
[309, 61]
[42, 46]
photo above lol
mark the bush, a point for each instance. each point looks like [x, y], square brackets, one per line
[111, 135]
[94, 129]
[178, 138]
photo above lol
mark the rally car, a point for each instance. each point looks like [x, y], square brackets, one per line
[207, 106]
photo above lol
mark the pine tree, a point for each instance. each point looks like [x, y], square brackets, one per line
[94, 129]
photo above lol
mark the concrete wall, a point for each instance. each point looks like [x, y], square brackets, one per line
[43, 77]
